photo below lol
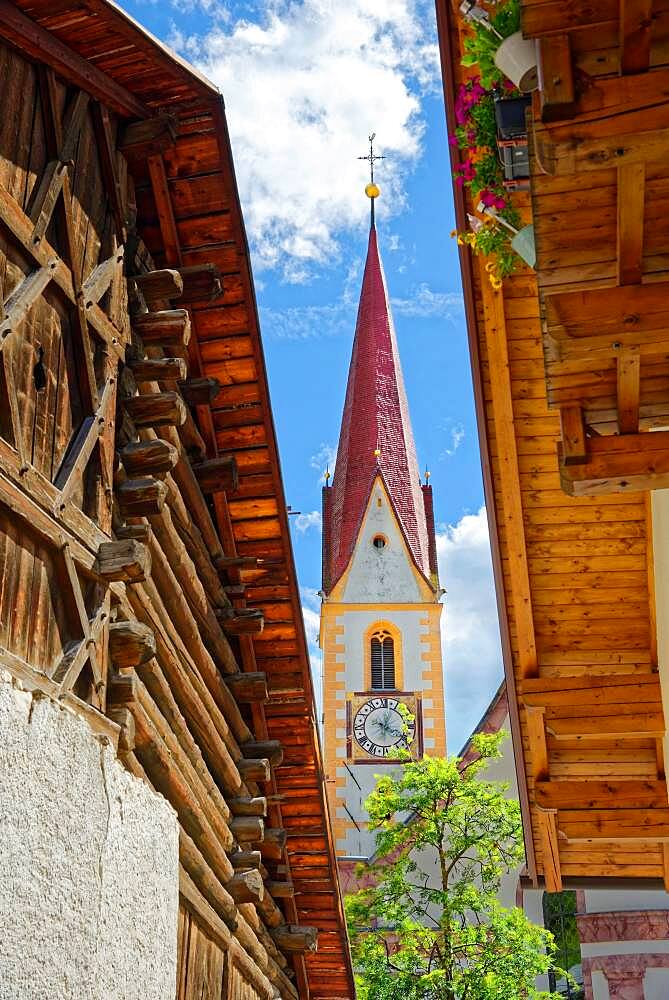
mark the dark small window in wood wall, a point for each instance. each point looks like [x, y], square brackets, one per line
[383, 662]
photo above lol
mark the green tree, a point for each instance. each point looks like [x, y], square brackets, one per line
[427, 924]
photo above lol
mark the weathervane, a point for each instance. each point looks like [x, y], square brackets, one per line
[372, 191]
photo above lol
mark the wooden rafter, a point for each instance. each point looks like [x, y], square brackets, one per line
[635, 28]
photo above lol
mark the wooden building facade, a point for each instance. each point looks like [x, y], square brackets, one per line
[147, 574]
[571, 371]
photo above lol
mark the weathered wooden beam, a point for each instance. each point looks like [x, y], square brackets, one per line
[247, 829]
[241, 621]
[241, 860]
[123, 718]
[161, 195]
[202, 283]
[218, 475]
[280, 890]
[583, 153]
[194, 863]
[148, 137]
[616, 464]
[158, 369]
[200, 391]
[122, 689]
[274, 843]
[156, 286]
[246, 887]
[149, 458]
[636, 22]
[644, 725]
[156, 409]
[556, 78]
[293, 938]
[131, 643]
[257, 769]
[249, 805]
[235, 590]
[140, 532]
[249, 687]
[536, 734]
[574, 442]
[166, 327]
[269, 749]
[128, 561]
[41, 45]
[141, 497]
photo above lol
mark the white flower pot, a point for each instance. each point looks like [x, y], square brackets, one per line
[517, 59]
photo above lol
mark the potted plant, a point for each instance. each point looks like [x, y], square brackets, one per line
[497, 47]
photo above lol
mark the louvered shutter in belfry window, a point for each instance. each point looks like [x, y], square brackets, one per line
[383, 662]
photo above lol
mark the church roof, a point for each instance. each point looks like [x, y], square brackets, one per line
[376, 436]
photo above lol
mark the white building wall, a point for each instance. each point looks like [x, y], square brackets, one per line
[88, 864]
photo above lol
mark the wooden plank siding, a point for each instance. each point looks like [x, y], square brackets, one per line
[187, 211]
[572, 574]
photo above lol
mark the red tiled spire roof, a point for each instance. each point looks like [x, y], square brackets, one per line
[376, 417]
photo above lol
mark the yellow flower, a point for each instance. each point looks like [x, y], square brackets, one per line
[495, 282]
[491, 266]
[454, 232]
[461, 241]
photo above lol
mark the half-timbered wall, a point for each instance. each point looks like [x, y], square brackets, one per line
[148, 581]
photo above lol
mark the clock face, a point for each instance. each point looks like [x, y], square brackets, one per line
[379, 728]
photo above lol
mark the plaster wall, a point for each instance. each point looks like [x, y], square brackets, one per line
[381, 576]
[88, 865]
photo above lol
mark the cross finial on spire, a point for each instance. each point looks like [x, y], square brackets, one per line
[372, 191]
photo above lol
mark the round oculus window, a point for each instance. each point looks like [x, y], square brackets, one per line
[379, 542]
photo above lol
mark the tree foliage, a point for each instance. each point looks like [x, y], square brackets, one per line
[427, 924]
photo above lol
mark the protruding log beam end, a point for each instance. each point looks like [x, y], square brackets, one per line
[140, 532]
[124, 718]
[255, 770]
[235, 590]
[271, 749]
[248, 688]
[149, 458]
[247, 805]
[202, 283]
[247, 829]
[246, 887]
[156, 409]
[122, 689]
[294, 938]
[218, 475]
[141, 497]
[164, 327]
[243, 860]
[156, 285]
[128, 561]
[280, 890]
[274, 843]
[158, 369]
[241, 621]
[130, 644]
[200, 391]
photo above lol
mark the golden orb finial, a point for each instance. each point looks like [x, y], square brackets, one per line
[377, 453]
[372, 190]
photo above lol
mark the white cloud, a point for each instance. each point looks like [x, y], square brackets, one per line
[324, 460]
[312, 619]
[304, 522]
[457, 437]
[304, 87]
[470, 631]
[424, 303]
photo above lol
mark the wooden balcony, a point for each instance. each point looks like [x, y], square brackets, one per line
[600, 193]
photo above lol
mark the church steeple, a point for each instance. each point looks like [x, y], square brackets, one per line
[376, 438]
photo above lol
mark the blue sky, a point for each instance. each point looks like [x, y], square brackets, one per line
[304, 84]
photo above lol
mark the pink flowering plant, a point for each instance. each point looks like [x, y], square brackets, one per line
[480, 170]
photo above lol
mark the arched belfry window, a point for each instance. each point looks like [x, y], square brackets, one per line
[383, 661]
